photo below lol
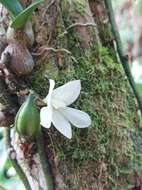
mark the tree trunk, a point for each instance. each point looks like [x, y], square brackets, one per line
[73, 40]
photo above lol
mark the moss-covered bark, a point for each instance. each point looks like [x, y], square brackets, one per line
[108, 154]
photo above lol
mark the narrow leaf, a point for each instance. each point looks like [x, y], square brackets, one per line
[13, 6]
[22, 18]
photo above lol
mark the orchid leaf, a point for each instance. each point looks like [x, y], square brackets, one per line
[13, 6]
[21, 19]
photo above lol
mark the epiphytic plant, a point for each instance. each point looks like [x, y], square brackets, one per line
[18, 14]
[19, 37]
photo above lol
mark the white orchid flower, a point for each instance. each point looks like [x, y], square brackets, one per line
[58, 112]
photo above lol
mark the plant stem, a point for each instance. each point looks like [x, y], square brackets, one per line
[44, 162]
[122, 56]
[14, 162]
[2, 187]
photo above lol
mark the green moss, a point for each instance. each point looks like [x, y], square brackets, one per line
[113, 140]
[41, 75]
[79, 6]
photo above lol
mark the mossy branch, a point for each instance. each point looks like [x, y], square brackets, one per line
[14, 162]
[122, 56]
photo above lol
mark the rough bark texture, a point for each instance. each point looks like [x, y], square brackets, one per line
[107, 155]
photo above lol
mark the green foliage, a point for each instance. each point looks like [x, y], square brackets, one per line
[19, 16]
[20, 20]
[13, 6]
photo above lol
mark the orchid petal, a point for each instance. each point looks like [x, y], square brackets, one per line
[61, 124]
[48, 97]
[78, 118]
[67, 93]
[56, 103]
[46, 116]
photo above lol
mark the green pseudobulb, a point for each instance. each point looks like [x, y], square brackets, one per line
[27, 121]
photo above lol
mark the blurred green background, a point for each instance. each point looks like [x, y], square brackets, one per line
[8, 177]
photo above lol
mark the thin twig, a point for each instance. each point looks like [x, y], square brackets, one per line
[122, 56]
[14, 162]
[78, 24]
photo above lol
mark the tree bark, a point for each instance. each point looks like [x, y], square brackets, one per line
[73, 40]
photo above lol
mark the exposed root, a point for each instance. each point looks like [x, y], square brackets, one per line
[78, 24]
[48, 50]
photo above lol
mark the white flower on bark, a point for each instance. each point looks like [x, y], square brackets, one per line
[58, 112]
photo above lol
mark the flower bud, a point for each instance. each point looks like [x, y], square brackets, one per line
[27, 121]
